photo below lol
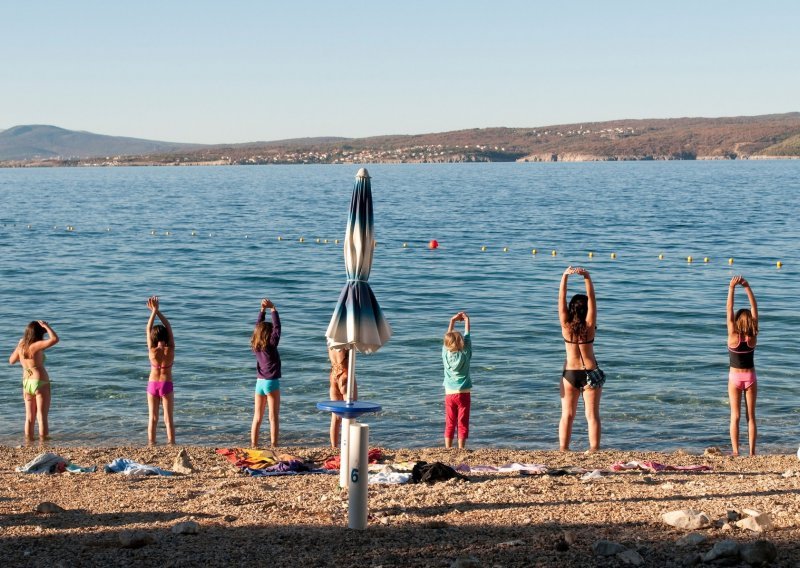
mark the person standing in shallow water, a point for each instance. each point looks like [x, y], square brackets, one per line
[161, 352]
[578, 326]
[338, 387]
[742, 336]
[264, 343]
[35, 380]
[456, 358]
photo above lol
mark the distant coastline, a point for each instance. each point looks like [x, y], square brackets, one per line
[765, 137]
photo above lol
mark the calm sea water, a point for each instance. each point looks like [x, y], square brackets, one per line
[661, 335]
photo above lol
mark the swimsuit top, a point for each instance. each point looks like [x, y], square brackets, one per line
[742, 356]
[579, 342]
[29, 370]
[154, 366]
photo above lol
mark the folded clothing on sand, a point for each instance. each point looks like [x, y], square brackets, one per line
[425, 472]
[48, 462]
[130, 467]
[389, 477]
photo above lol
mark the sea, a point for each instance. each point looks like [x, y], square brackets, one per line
[83, 248]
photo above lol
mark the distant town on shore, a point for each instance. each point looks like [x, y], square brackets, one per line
[772, 136]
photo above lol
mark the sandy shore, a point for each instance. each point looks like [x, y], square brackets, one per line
[495, 519]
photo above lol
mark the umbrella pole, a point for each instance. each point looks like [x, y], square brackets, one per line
[344, 437]
[351, 373]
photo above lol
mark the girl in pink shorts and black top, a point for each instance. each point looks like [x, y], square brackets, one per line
[456, 357]
[742, 336]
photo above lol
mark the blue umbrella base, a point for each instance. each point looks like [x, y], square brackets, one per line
[344, 409]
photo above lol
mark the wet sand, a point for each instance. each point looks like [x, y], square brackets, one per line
[494, 519]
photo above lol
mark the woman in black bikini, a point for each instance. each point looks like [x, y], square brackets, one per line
[581, 374]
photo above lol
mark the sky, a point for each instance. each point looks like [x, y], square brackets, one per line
[234, 71]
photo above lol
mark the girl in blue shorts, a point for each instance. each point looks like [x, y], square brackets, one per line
[268, 372]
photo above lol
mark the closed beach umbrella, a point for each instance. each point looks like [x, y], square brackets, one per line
[357, 322]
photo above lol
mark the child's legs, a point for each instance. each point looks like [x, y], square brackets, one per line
[274, 400]
[450, 418]
[591, 406]
[569, 406]
[152, 407]
[42, 410]
[30, 414]
[735, 398]
[260, 403]
[168, 402]
[465, 401]
[336, 422]
[750, 396]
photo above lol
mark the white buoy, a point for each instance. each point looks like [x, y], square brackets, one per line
[359, 476]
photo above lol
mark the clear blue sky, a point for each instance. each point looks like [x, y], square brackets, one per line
[198, 71]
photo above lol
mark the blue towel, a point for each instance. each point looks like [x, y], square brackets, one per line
[130, 467]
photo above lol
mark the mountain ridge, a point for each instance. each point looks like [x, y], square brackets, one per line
[685, 138]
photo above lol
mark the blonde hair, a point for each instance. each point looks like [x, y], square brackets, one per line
[745, 323]
[454, 341]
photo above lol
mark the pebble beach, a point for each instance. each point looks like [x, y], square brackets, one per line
[746, 512]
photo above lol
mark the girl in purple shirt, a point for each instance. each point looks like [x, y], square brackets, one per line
[268, 372]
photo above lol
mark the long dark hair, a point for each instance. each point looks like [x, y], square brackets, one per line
[33, 332]
[262, 336]
[159, 334]
[576, 317]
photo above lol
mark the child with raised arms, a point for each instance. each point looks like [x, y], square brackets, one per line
[264, 343]
[456, 357]
[161, 352]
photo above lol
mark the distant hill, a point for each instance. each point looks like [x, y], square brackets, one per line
[32, 142]
[742, 137]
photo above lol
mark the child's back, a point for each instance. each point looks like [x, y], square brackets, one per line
[456, 357]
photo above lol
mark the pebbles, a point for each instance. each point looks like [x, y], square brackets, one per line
[48, 508]
[495, 520]
[686, 519]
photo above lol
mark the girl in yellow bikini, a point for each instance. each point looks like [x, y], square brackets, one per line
[35, 380]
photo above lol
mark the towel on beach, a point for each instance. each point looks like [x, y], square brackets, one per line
[389, 477]
[253, 459]
[266, 463]
[528, 468]
[132, 468]
[48, 462]
[655, 467]
[333, 462]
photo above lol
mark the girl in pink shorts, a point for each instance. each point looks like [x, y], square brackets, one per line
[161, 351]
[742, 335]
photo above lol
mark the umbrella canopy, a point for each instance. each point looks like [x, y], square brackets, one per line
[357, 320]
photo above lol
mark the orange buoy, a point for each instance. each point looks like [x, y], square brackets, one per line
[433, 244]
